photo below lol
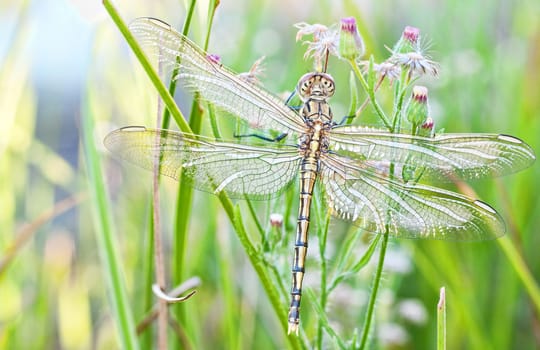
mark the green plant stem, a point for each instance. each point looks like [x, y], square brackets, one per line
[371, 94]
[401, 86]
[260, 229]
[185, 190]
[373, 294]
[324, 289]
[441, 321]
[357, 266]
[148, 273]
[172, 84]
[234, 214]
[147, 66]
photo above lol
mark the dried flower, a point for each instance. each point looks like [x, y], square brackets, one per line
[416, 63]
[384, 70]
[351, 44]
[310, 29]
[325, 42]
[417, 109]
[256, 71]
[409, 53]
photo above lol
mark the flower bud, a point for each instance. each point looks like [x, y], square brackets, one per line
[417, 110]
[351, 44]
[276, 220]
[213, 58]
[409, 41]
[427, 128]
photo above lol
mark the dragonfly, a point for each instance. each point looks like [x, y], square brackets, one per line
[359, 168]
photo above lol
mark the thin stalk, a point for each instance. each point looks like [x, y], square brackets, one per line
[234, 214]
[371, 94]
[366, 101]
[402, 88]
[148, 273]
[310, 295]
[324, 272]
[519, 265]
[370, 90]
[158, 249]
[231, 306]
[373, 294]
[260, 229]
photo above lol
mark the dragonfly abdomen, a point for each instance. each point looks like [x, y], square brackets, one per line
[308, 176]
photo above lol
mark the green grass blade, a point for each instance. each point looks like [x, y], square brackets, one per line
[107, 247]
[147, 66]
[172, 84]
[441, 321]
[323, 320]
[270, 288]
[519, 265]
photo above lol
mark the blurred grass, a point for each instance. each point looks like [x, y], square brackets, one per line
[489, 83]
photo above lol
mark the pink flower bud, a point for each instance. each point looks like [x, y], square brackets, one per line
[276, 220]
[417, 110]
[213, 58]
[351, 44]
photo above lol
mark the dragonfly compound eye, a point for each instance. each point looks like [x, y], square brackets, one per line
[327, 83]
[304, 85]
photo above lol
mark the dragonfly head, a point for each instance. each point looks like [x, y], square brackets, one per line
[315, 85]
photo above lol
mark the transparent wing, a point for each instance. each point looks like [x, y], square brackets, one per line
[440, 158]
[211, 166]
[200, 72]
[411, 211]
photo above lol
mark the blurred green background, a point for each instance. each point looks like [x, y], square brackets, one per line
[62, 61]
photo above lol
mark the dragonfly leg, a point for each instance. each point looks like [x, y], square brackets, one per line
[288, 101]
[265, 138]
[344, 120]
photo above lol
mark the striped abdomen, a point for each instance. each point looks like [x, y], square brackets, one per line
[308, 175]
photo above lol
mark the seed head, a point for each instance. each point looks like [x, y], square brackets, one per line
[416, 63]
